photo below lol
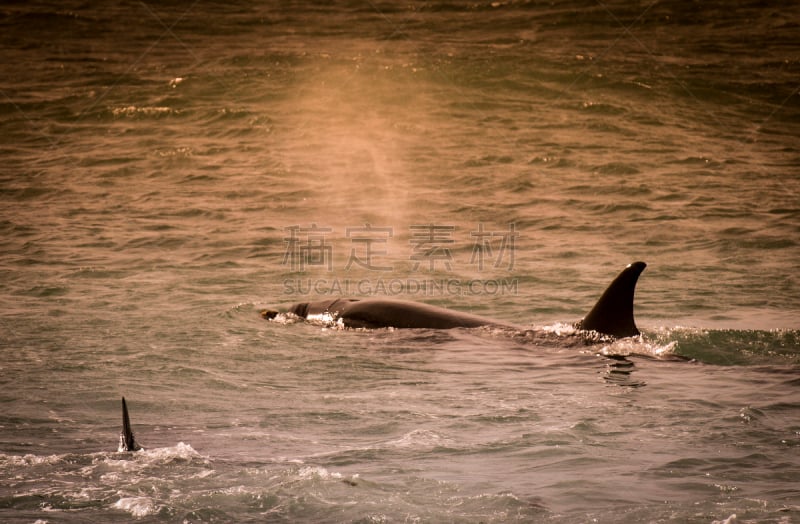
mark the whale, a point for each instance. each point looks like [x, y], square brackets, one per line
[611, 315]
[126, 440]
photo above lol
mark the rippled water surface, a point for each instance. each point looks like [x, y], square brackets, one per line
[170, 170]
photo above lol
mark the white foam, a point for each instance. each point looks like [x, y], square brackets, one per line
[30, 460]
[560, 329]
[318, 472]
[285, 318]
[136, 506]
[326, 319]
[147, 111]
[180, 451]
[637, 346]
[420, 439]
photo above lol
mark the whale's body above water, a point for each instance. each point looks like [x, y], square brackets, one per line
[611, 315]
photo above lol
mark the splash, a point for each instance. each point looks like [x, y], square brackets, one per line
[137, 506]
[421, 439]
[638, 346]
[311, 472]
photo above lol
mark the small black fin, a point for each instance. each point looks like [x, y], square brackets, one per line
[613, 313]
[126, 440]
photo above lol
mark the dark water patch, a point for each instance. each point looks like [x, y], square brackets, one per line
[736, 231]
[21, 194]
[157, 227]
[607, 127]
[717, 211]
[13, 228]
[104, 161]
[244, 194]
[196, 178]
[654, 121]
[671, 197]
[620, 207]
[756, 242]
[45, 291]
[786, 212]
[488, 161]
[603, 108]
[219, 260]
[642, 191]
[552, 159]
[616, 168]
[706, 163]
[156, 241]
[193, 213]
[100, 273]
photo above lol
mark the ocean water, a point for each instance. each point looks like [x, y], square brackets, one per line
[168, 170]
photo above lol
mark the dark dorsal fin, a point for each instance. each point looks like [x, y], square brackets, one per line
[613, 313]
[126, 440]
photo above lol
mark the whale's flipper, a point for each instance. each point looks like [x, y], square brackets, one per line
[613, 313]
[126, 440]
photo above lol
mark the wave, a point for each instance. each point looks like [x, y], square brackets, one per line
[731, 347]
